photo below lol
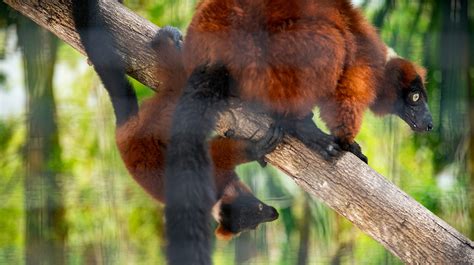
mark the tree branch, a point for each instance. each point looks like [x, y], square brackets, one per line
[350, 187]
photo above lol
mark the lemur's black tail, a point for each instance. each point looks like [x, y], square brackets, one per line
[190, 192]
[100, 48]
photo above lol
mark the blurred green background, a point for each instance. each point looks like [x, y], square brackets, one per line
[66, 198]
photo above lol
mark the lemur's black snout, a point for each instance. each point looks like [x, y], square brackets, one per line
[428, 121]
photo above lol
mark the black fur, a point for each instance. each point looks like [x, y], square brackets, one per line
[100, 48]
[308, 133]
[244, 213]
[190, 192]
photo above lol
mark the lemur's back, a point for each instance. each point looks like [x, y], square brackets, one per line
[284, 54]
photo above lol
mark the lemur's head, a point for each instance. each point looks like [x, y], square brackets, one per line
[403, 93]
[239, 210]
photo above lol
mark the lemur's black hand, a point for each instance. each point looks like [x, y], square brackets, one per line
[307, 132]
[355, 149]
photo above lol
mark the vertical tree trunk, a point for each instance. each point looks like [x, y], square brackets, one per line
[387, 8]
[471, 150]
[454, 66]
[304, 234]
[455, 63]
[45, 224]
[470, 87]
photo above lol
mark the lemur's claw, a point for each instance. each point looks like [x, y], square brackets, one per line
[262, 162]
[229, 133]
[355, 149]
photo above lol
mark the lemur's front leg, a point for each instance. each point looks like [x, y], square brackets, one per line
[343, 111]
[344, 123]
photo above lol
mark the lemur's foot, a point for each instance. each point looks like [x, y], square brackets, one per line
[259, 148]
[355, 149]
[307, 132]
[168, 35]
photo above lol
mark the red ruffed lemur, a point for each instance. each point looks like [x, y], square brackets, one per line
[289, 57]
[142, 135]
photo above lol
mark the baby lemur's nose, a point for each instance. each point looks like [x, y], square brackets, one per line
[429, 127]
[274, 214]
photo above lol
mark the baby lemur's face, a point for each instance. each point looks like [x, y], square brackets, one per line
[244, 213]
[241, 213]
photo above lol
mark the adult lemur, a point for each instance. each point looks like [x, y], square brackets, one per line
[143, 135]
[288, 56]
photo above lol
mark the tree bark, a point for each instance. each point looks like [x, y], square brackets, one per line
[349, 186]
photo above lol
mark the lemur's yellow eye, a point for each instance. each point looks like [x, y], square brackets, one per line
[415, 97]
[260, 206]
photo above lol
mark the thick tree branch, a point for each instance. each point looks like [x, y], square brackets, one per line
[350, 187]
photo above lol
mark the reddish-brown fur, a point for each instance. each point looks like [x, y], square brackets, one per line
[143, 139]
[288, 55]
[398, 73]
[291, 56]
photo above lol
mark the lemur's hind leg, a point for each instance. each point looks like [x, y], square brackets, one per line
[307, 132]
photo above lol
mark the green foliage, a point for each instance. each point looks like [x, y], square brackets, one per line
[164, 12]
[11, 195]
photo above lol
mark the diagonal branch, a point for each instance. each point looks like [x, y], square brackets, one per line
[350, 187]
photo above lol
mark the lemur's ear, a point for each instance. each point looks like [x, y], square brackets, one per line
[223, 234]
[399, 71]
[421, 72]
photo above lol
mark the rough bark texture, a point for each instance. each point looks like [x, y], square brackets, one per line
[350, 187]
